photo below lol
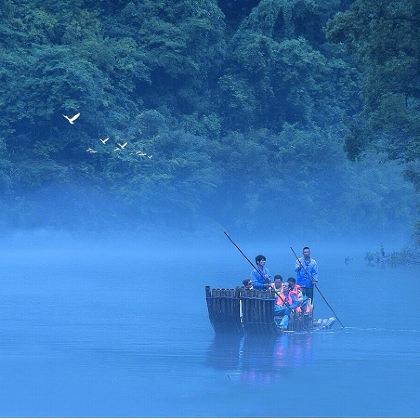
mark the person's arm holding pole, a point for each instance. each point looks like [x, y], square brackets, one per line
[314, 281]
[256, 269]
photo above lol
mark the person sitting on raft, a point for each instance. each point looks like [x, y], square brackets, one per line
[285, 303]
[261, 278]
[276, 285]
[305, 305]
[247, 284]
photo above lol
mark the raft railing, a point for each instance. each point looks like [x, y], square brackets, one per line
[224, 309]
[252, 311]
[238, 310]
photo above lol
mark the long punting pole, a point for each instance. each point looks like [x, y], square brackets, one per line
[262, 274]
[317, 288]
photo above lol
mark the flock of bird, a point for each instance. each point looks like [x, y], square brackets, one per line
[120, 147]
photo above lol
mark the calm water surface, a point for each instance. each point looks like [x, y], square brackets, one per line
[111, 334]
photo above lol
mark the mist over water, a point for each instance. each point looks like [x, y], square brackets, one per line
[133, 134]
[113, 327]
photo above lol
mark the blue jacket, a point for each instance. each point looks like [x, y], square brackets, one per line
[258, 280]
[302, 278]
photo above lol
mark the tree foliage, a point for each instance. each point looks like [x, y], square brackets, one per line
[229, 110]
[384, 37]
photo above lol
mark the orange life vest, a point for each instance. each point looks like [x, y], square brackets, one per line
[281, 298]
[298, 293]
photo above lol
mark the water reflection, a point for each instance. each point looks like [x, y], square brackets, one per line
[260, 360]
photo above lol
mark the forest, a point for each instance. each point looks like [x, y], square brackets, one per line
[249, 114]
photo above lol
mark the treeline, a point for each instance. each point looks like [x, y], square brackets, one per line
[244, 107]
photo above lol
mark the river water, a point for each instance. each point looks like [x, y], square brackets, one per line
[126, 333]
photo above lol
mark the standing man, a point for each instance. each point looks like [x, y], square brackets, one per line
[307, 273]
[261, 278]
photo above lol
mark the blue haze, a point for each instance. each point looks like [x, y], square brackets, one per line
[114, 328]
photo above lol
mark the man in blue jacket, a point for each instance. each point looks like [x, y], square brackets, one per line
[307, 273]
[261, 278]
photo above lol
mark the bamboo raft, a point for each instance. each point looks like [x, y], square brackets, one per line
[252, 311]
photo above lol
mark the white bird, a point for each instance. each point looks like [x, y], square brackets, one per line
[117, 149]
[140, 153]
[90, 150]
[122, 145]
[104, 140]
[150, 157]
[71, 120]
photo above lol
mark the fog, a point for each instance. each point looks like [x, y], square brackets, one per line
[341, 201]
[134, 134]
[117, 325]
[172, 245]
[103, 310]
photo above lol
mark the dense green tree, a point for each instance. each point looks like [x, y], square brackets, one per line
[229, 110]
[384, 36]
[280, 72]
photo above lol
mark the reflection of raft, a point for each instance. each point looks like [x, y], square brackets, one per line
[252, 311]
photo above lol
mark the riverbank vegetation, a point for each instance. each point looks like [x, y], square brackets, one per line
[233, 112]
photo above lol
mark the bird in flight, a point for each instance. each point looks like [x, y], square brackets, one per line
[104, 140]
[90, 150]
[140, 153]
[72, 119]
[122, 146]
[150, 157]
